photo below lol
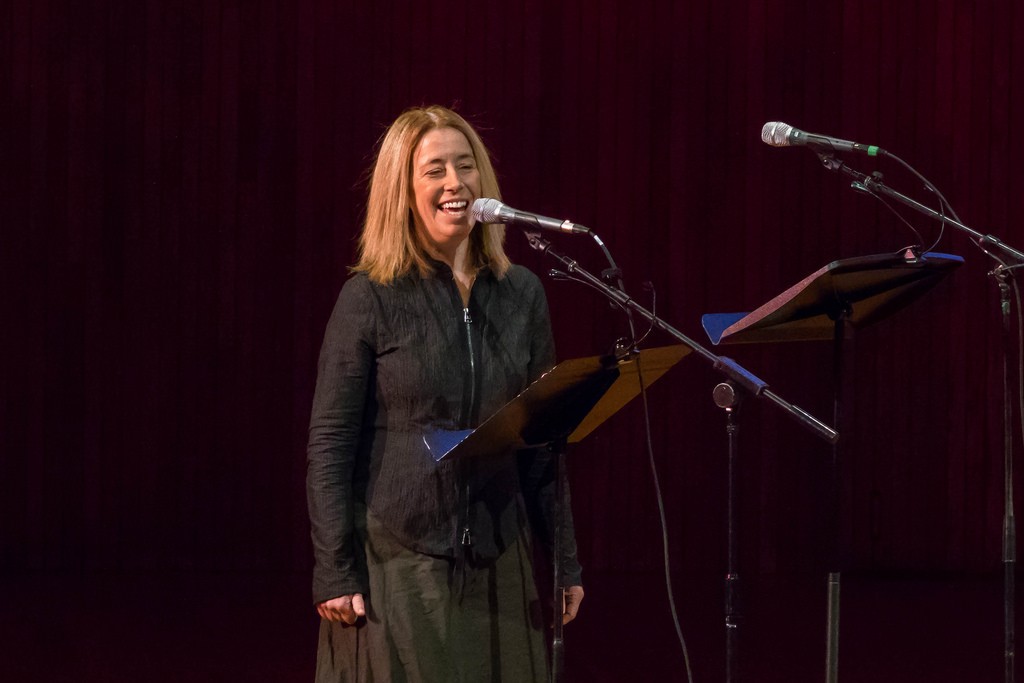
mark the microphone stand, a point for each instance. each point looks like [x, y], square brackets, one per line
[834, 512]
[728, 399]
[1002, 275]
[737, 378]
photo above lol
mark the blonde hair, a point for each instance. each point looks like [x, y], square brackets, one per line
[389, 246]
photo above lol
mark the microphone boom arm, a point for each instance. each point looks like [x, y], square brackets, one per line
[728, 367]
[873, 184]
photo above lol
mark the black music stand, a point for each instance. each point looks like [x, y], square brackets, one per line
[563, 406]
[828, 304]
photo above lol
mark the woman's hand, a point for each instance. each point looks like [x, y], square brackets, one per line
[348, 608]
[571, 599]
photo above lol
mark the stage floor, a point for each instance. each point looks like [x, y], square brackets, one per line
[261, 628]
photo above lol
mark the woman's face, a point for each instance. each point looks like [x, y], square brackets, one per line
[445, 181]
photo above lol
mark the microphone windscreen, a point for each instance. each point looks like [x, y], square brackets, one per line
[486, 210]
[776, 134]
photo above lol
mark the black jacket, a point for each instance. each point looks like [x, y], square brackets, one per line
[403, 359]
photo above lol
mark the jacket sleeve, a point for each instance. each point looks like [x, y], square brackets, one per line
[344, 378]
[539, 466]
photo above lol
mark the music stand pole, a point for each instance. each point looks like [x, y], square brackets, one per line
[557, 640]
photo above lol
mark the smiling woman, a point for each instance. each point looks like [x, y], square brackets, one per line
[424, 570]
[388, 247]
[445, 180]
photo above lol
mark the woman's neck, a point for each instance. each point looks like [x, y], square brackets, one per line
[463, 271]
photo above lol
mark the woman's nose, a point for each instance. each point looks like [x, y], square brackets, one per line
[452, 180]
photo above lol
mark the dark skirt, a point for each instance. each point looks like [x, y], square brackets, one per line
[431, 620]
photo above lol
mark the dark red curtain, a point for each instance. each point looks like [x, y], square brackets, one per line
[181, 187]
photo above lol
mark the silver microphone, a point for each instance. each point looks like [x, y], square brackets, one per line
[778, 134]
[492, 211]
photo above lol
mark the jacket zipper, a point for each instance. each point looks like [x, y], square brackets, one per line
[467, 320]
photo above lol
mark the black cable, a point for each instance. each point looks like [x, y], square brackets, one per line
[653, 465]
[943, 202]
[664, 524]
[886, 204]
[649, 286]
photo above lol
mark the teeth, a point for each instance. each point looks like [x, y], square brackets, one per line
[454, 205]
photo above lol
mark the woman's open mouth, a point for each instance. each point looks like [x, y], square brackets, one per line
[455, 208]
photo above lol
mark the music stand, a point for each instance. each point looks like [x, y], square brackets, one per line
[828, 304]
[563, 406]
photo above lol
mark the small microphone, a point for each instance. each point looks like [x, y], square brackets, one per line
[493, 211]
[778, 134]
